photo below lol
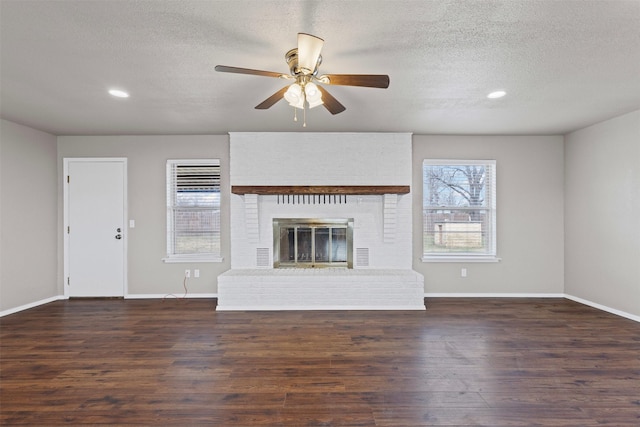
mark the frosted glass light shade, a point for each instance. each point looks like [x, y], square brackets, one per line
[294, 96]
[313, 95]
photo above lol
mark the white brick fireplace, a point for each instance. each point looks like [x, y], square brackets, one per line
[363, 177]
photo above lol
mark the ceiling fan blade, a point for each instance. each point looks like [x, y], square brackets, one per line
[366, 80]
[267, 103]
[330, 103]
[226, 69]
[309, 48]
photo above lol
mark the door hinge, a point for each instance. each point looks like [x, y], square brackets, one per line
[68, 179]
[68, 281]
[68, 229]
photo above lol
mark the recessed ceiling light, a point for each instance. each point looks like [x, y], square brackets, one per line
[497, 94]
[118, 93]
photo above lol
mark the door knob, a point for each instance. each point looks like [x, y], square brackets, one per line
[118, 236]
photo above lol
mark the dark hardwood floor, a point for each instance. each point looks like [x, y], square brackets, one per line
[463, 362]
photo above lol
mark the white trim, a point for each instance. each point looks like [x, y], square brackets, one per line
[447, 162]
[448, 258]
[603, 308]
[420, 307]
[203, 161]
[65, 209]
[490, 295]
[169, 296]
[191, 258]
[31, 305]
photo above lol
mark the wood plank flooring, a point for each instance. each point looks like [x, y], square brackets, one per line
[462, 362]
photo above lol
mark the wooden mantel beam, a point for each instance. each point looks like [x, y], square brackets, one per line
[320, 189]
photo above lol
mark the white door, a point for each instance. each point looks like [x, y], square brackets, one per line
[95, 212]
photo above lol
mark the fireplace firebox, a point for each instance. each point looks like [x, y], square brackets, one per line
[312, 243]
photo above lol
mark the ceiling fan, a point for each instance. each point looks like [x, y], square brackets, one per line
[303, 62]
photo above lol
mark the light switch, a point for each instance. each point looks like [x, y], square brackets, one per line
[132, 223]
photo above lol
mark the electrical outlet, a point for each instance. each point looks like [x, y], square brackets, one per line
[463, 272]
[196, 273]
[187, 273]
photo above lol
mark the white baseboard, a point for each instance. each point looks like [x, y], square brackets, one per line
[169, 296]
[31, 305]
[604, 308]
[321, 308]
[490, 295]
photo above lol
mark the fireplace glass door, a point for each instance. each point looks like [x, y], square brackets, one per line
[304, 243]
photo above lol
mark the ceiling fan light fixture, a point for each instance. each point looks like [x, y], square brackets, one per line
[294, 96]
[299, 104]
[304, 61]
[311, 90]
[314, 103]
[313, 95]
[309, 48]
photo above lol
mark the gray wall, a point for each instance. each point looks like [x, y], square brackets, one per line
[28, 216]
[530, 234]
[587, 189]
[602, 213]
[521, 220]
[147, 156]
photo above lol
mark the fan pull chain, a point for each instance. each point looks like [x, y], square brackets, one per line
[295, 114]
[304, 115]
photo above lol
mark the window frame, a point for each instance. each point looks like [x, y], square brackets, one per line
[490, 254]
[171, 191]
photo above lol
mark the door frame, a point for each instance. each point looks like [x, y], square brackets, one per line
[125, 213]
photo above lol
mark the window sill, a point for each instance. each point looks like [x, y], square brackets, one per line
[453, 258]
[192, 258]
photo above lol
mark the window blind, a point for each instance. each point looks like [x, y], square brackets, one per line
[193, 208]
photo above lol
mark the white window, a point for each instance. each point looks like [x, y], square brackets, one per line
[193, 210]
[459, 210]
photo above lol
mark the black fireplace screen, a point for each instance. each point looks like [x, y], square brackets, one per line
[312, 243]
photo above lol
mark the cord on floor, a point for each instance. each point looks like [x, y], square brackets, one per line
[184, 284]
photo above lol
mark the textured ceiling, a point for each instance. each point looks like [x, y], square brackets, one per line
[564, 64]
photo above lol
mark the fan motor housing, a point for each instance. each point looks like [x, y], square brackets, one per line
[292, 61]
